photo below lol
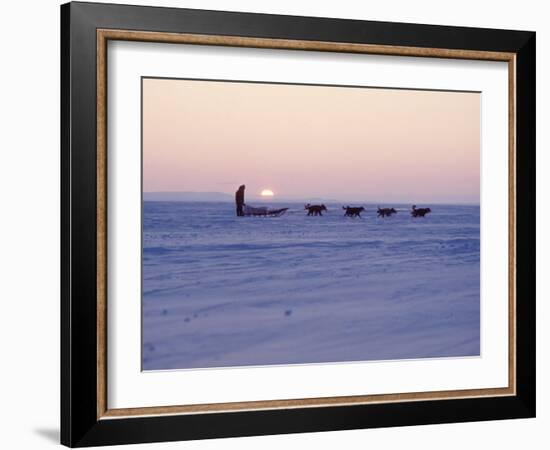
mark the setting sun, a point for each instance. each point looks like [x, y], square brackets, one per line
[267, 193]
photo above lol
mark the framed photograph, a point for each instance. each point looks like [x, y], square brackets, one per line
[277, 224]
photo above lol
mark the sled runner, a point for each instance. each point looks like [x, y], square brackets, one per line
[263, 211]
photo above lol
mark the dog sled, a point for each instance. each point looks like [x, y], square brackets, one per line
[263, 211]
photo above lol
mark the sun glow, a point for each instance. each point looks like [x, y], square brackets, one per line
[267, 193]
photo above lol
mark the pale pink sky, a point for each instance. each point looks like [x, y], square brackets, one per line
[311, 141]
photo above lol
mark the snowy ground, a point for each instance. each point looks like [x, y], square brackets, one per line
[219, 290]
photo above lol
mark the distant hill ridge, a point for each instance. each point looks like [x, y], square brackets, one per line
[190, 196]
[187, 196]
[220, 197]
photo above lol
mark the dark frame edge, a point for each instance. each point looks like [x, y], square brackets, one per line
[65, 187]
[301, 420]
[78, 227]
[526, 223]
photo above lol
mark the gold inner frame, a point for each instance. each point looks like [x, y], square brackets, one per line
[104, 35]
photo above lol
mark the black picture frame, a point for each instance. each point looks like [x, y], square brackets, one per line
[80, 425]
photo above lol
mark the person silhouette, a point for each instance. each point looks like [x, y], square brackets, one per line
[239, 200]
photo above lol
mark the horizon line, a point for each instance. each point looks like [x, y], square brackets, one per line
[318, 199]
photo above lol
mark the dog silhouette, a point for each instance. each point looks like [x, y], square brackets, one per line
[315, 210]
[352, 211]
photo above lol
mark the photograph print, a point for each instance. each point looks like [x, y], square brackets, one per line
[308, 224]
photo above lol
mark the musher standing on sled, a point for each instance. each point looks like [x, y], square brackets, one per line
[239, 200]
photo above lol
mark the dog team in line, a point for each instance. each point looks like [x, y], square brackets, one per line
[355, 211]
[313, 210]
